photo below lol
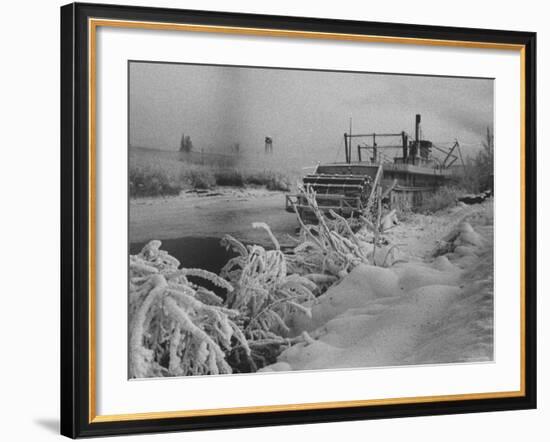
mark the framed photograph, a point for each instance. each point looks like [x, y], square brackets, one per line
[274, 220]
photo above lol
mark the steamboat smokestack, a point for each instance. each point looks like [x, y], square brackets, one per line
[417, 130]
[405, 144]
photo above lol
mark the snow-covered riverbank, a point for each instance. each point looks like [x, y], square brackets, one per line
[211, 214]
[435, 306]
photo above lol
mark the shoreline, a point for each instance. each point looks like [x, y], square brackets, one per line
[223, 210]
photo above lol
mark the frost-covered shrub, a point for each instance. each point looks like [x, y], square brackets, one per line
[177, 327]
[264, 290]
[265, 294]
[152, 181]
[278, 182]
[180, 328]
[271, 180]
[328, 250]
[200, 179]
[444, 197]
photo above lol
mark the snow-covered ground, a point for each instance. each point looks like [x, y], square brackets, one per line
[434, 305]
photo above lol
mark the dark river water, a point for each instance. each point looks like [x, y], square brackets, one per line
[192, 252]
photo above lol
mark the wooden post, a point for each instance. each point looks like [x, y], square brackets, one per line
[374, 188]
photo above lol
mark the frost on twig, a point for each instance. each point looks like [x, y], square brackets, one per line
[177, 327]
[265, 294]
[329, 248]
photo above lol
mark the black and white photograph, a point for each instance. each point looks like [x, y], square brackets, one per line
[274, 221]
[287, 219]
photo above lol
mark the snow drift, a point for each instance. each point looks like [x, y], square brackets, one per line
[435, 310]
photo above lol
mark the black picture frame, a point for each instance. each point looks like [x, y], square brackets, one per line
[75, 220]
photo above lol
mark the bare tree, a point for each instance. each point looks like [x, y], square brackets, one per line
[485, 161]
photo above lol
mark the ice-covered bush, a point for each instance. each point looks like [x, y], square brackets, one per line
[200, 179]
[177, 327]
[328, 250]
[444, 197]
[265, 292]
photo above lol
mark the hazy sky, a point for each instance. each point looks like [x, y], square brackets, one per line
[305, 112]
